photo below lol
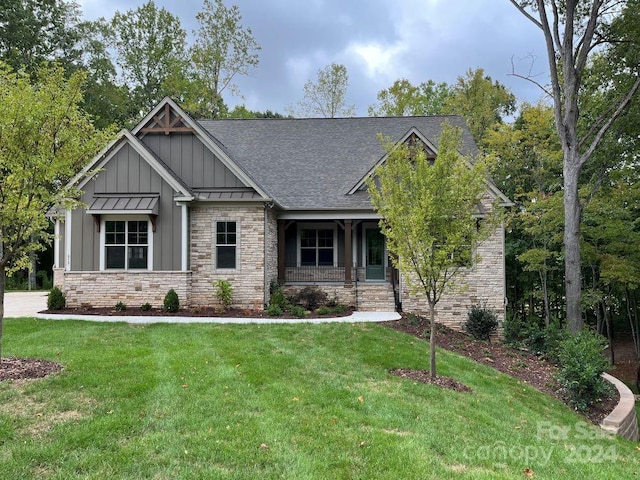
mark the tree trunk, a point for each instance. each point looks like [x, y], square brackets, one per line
[432, 341]
[2, 286]
[572, 213]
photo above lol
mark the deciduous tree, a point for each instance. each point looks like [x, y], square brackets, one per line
[327, 96]
[430, 216]
[575, 30]
[46, 139]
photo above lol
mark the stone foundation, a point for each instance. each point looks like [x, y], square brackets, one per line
[105, 289]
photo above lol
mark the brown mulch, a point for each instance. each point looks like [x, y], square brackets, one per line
[523, 365]
[425, 377]
[14, 368]
[185, 312]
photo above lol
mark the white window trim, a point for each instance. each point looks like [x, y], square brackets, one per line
[214, 242]
[125, 218]
[315, 226]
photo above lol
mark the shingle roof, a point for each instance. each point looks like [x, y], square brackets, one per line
[311, 164]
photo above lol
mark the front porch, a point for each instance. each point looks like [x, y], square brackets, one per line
[345, 258]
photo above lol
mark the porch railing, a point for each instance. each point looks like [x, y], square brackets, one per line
[312, 274]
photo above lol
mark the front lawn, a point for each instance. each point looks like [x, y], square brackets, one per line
[278, 401]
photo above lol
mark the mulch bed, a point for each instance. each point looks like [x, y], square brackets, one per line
[14, 368]
[523, 365]
[184, 312]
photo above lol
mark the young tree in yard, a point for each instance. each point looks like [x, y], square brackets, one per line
[575, 31]
[45, 139]
[326, 97]
[430, 216]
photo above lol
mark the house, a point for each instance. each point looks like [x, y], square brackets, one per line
[179, 203]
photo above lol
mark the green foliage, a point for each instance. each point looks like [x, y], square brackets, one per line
[222, 50]
[481, 323]
[171, 301]
[512, 330]
[403, 98]
[277, 297]
[40, 151]
[274, 310]
[145, 307]
[545, 340]
[332, 309]
[120, 307]
[581, 365]
[224, 292]
[56, 300]
[150, 46]
[310, 298]
[326, 97]
[298, 311]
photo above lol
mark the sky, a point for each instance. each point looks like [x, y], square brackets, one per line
[378, 41]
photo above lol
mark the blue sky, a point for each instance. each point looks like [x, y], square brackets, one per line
[378, 41]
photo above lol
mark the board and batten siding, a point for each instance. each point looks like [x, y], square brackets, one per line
[127, 173]
[190, 160]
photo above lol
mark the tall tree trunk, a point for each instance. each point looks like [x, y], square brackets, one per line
[432, 341]
[572, 213]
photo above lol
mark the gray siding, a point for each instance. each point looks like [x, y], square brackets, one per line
[190, 160]
[127, 172]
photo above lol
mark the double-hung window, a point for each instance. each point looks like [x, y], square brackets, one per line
[226, 244]
[317, 247]
[126, 244]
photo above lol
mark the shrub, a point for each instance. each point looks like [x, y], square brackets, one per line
[545, 341]
[277, 297]
[298, 311]
[311, 298]
[274, 310]
[332, 309]
[56, 300]
[481, 323]
[120, 307]
[145, 307]
[512, 331]
[223, 292]
[171, 301]
[581, 366]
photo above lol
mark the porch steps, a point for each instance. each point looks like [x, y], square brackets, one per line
[375, 297]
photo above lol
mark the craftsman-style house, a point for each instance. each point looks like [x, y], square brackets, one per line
[179, 203]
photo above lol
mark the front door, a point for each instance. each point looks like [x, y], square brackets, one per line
[374, 254]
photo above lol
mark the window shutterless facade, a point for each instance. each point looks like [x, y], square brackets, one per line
[226, 244]
[126, 245]
[317, 247]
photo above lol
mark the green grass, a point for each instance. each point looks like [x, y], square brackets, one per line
[277, 401]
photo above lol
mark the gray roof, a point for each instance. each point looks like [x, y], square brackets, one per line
[311, 164]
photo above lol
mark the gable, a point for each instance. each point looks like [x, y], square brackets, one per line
[196, 157]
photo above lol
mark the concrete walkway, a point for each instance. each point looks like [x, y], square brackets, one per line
[355, 317]
[24, 304]
[28, 304]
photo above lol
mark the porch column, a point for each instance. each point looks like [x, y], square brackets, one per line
[281, 263]
[348, 256]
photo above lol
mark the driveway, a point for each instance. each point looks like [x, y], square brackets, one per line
[24, 304]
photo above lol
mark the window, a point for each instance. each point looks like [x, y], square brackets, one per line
[226, 244]
[316, 247]
[126, 244]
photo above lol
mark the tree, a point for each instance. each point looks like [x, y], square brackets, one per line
[41, 148]
[429, 216]
[223, 49]
[150, 49]
[34, 31]
[482, 102]
[574, 30]
[326, 97]
[404, 99]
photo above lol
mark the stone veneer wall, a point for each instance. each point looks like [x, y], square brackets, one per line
[484, 283]
[248, 280]
[133, 288]
[346, 294]
[271, 250]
